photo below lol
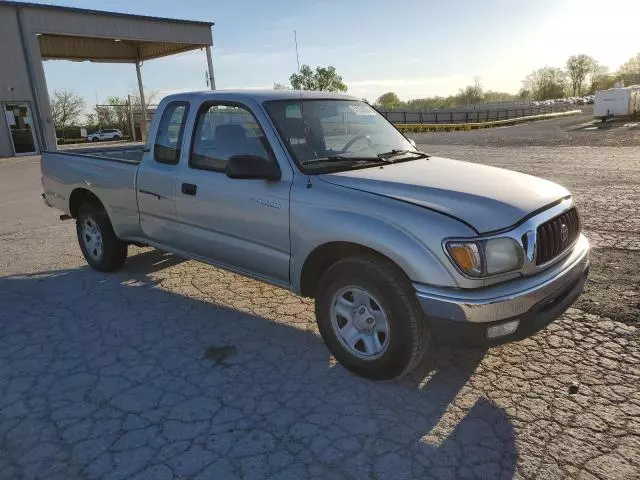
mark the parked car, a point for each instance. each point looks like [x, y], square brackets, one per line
[318, 193]
[106, 134]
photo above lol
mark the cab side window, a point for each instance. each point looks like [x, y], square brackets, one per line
[223, 131]
[170, 133]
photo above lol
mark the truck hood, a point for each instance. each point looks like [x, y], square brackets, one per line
[487, 198]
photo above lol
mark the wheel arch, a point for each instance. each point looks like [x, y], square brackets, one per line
[327, 254]
[79, 197]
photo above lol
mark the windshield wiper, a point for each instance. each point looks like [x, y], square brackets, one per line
[344, 158]
[384, 157]
[395, 153]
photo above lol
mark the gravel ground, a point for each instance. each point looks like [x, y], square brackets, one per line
[579, 130]
[174, 369]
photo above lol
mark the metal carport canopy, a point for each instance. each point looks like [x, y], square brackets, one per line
[52, 32]
[64, 47]
[68, 33]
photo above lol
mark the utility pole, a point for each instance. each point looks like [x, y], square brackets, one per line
[295, 38]
[130, 115]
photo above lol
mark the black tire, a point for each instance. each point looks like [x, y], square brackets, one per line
[409, 334]
[117, 137]
[113, 253]
[95, 139]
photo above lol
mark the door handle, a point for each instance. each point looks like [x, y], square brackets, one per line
[189, 189]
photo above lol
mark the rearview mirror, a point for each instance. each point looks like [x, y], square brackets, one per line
[252, 167]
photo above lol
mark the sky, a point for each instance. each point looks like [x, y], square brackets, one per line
[416, 48]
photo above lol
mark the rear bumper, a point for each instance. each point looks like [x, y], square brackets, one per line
[464, 316]
[46, 202]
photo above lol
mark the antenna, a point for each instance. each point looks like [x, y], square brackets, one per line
[295, 38]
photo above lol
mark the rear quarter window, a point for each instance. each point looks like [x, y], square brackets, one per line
[170, 133]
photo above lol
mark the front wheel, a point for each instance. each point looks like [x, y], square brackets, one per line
[101, 248]
[370, 319]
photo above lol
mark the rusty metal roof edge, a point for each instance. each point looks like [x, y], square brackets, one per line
[101, 12]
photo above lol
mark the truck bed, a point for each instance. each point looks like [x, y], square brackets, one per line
[126, 153]
[108, 173]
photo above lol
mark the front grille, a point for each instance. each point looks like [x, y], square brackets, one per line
[550, 242]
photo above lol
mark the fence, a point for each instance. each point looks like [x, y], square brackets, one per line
[477, 114]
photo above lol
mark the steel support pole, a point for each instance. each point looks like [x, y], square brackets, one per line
[143, 122]
[212, 81]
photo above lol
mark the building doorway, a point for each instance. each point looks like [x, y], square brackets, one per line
[21, 130]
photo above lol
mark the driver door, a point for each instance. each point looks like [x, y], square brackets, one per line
[239, 223]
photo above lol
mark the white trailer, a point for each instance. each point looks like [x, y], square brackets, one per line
[617, 102]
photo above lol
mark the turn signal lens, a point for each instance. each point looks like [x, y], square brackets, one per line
[467, 257]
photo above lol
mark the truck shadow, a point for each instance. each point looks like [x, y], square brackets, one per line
[92, 346]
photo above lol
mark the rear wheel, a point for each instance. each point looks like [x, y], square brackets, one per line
[101, 248]
[370, 319]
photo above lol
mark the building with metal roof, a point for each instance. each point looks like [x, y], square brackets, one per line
[32, 33]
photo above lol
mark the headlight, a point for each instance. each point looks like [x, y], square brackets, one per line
[481, 258]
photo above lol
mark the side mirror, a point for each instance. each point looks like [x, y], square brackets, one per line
[252, 167]
[412, 142]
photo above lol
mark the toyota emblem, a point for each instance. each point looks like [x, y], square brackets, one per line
[564, 233]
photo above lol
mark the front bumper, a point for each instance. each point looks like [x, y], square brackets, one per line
[464, 316]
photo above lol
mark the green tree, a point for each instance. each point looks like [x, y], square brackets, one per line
[66, 108]
[322, 79]
[491, 96]
[629, 72]
[578, 67]
[599, 77]
[120, 107]
[388, 101]
[524, 94]
[546, 83]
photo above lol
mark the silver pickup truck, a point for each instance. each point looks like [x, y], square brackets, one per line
[320, 194]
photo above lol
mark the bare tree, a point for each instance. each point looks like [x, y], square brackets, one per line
[66, 108]
[280, 86]
[471, 93]
[578, 67]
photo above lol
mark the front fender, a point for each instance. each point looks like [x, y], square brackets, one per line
[318, 226]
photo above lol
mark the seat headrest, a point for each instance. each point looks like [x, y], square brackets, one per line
[230, 132]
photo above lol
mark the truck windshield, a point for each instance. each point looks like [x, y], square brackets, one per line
[333, 135]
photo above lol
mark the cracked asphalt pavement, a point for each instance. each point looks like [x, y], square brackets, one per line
[175, 369]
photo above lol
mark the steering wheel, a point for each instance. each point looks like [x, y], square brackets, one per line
[355, 139]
